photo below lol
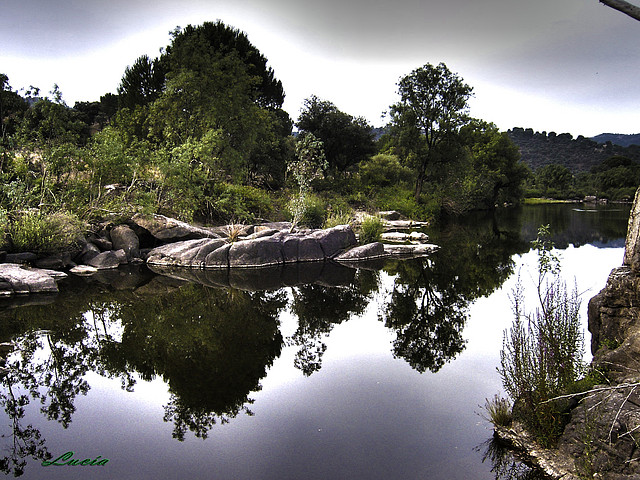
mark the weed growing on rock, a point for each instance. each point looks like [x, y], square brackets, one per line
[543, 350]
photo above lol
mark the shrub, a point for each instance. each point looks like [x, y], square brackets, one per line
[37, 232]
[542, 352]
[371, 230]
[237, 202]
[308, 210]
[499, 411]
[337, 218]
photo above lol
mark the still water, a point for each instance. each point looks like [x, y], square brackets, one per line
[324, 372]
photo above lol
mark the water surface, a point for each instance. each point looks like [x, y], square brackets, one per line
[369, 373]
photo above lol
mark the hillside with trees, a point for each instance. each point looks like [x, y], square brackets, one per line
[581, 154]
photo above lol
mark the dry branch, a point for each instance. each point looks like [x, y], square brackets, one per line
[624, 7]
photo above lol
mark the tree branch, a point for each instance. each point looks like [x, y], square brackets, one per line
[624, 7]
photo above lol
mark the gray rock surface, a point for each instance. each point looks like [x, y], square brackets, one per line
[632, 244]
[364, 252]
[107, 260]
[18, 279]
[124, 238]
[169, 229]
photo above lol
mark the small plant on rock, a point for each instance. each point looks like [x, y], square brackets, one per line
[371, 230]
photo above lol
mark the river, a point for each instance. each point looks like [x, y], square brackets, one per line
[376, 373]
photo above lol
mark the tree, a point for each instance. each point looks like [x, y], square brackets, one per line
[554, 178]
[347, 140]
[141, 83]
[433, 104]
[191, 47]
[12, 106]
[624, 7]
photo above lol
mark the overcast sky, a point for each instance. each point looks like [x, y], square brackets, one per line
[553, 65]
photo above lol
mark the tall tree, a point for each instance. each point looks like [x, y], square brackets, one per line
[433, 104]
[192, 46]
[141, 83]
[347, 140]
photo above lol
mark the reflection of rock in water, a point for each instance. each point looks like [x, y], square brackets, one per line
[265, 278]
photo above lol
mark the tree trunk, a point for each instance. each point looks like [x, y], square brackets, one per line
[624, 7]
[419, 183]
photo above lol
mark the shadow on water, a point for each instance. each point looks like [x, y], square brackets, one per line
[212, 335]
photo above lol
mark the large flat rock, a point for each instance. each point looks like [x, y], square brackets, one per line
[19, 279]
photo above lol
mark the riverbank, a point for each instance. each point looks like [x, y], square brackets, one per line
[602, 436]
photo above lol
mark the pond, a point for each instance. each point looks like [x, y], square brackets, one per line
[378, 372]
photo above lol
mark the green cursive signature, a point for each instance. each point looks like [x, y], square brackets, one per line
[67, 459]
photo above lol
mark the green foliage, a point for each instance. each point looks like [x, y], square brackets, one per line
[553, 179]
[499, 411]
[371, 230]
[238, 203]
[308, 210]
[347, 140]
[542, 352]
[338, 218]
[433, 104]
[383, 170]
[38, 232]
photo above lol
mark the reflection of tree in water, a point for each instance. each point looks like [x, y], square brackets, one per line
[320, 308]
[211, 346]
[504, 465]
[429, 301]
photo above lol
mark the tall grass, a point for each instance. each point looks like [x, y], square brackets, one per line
[543, 350]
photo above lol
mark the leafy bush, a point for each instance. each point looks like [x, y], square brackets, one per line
[371, 230]
[237, 203]
[337, 218]
[383, 171]
[37, 232]
[308, 210]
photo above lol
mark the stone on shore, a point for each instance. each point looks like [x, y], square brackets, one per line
[364, 252]
[18, 279]
[124, 238]
[168, 229]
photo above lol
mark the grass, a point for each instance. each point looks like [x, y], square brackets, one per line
[499, 411]
[545, 201]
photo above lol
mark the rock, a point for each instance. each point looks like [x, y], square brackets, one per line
[188, 253]
[364, 252]
[23, 280]
[395, 237]
[57, 261]
[89, 251]
[106, 260]
[262, 232]
[260, 252]
[103, 243]
[124, 238]
[390, 215]
[335, 240]
[418, 237]
[169, 229]
[83, 270]
[422, 250]
[632, 244]
[21, 258]
[403, 224]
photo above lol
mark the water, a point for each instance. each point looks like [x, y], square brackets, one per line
[375, 373]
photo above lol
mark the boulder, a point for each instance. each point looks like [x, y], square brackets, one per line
[83, 270]
[188, 253]
[89, 251]
[390, 215]
[56, 261]
[106, 260]
[259, 252]
[413, 251]
[632, 244]
[18, 279]
[124, 238]
[335, 240]
[102, 243]
[363, 252]
[168, 229]
[395, 237]
[22, 257]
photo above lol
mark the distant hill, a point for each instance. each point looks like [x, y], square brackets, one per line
[618, 139]
[578, 155]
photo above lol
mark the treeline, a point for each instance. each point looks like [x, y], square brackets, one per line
[199, 133]
[567, 168]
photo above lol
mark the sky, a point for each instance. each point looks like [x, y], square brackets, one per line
[568, 66]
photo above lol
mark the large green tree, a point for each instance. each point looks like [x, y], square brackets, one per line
[432, 105]
[347, 140]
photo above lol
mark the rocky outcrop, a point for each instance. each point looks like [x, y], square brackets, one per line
[272, 248]
[16, 279]
[167, 229]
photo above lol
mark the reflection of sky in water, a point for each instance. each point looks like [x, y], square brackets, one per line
[364, 414]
